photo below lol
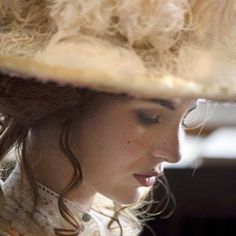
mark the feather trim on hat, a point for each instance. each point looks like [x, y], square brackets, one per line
[145, 47]
[25, 26]
[137, 22]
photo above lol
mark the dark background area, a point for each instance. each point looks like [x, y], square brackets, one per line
[206, 203]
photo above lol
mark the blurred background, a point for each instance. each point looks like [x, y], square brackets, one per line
[204, 181]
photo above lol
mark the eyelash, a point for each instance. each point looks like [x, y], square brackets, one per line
[145, 119]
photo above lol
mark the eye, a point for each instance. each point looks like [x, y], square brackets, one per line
[148, 119]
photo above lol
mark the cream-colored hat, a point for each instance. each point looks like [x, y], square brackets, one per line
[148, 48]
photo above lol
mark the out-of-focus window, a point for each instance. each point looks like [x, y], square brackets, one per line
[211, 138]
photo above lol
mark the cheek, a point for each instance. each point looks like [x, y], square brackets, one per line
[107, 145]
[120, 147]
[135, 140]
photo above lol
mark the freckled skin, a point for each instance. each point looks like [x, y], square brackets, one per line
[112, 145]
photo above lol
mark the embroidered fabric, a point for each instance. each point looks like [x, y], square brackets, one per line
[16, 217]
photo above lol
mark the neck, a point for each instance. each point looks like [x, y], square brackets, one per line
[50, 168]
[84, 195]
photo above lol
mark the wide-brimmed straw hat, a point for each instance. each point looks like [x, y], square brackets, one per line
[145, 48]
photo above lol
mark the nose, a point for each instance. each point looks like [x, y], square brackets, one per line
[166, 145]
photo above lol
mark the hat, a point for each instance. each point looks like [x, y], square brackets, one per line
[145, 48]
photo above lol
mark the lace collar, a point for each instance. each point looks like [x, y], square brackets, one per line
[49, 197]
[19, 204]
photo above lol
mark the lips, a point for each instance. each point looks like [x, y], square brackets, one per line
[147, 179]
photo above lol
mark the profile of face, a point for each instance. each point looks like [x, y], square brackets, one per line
[122, 142]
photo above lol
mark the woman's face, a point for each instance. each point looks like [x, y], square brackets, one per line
[122, 143]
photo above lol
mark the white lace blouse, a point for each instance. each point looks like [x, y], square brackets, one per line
[17, 219]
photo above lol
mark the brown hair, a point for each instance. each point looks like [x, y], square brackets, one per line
[23, 103]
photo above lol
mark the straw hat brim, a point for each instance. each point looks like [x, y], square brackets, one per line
[112, 71]
[158, 58]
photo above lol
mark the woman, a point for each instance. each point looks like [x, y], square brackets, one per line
[114, 81]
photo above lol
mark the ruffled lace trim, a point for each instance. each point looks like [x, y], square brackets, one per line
[17, 212]
[19, 217]
[48, 196]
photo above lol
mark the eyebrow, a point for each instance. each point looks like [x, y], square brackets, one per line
[163, 102]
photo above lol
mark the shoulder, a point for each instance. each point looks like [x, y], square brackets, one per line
[17, 227]
[15, 222]
[9, 233]
[6, 229]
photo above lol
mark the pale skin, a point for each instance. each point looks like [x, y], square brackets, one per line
[116, 138]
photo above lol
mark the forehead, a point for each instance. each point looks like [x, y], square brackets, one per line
[170, 104]
[112, 100]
